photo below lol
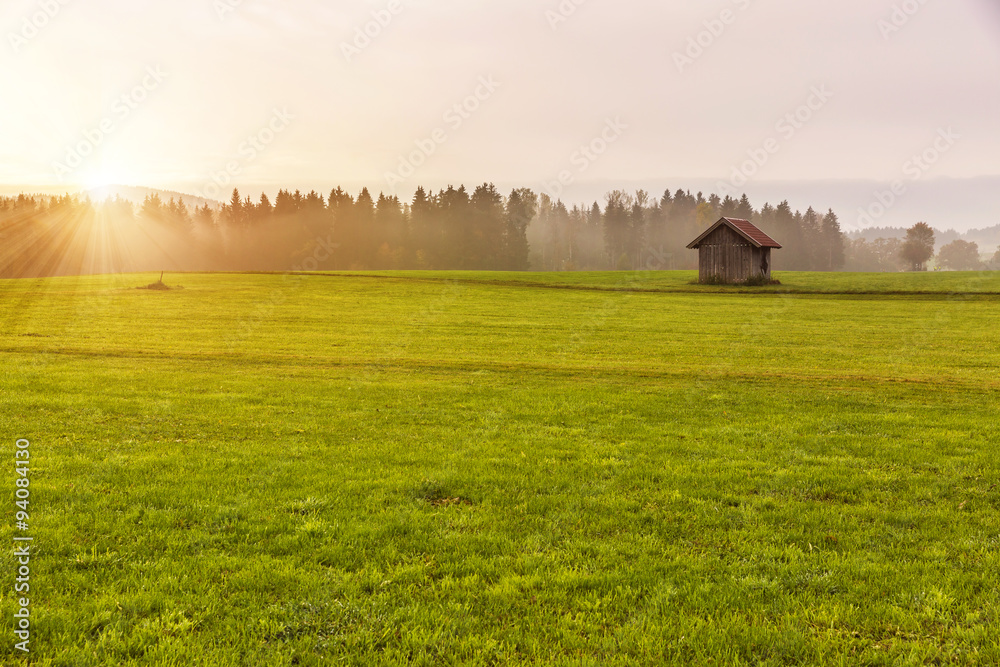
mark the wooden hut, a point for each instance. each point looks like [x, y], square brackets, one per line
[733, 251]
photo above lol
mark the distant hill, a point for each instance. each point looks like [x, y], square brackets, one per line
[988, 239]
[136, 195]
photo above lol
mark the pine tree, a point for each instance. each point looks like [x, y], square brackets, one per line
[181, 217]
[638, 216]
[728, 208]
[616, 228]
[234, 211]
[205, 216]
[425, 232]
[789, 234]
[263, 210]
[522, 205]
[340, 211]
[486, 229]
[152, 208]
[833, 241]
[558, 237]
[284, 205]
[249, 212]
[363, 222]
[388, 232]
[814, 247]
[454, 216]
[744, 210]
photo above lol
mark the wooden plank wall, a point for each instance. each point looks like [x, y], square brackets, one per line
[728, 256]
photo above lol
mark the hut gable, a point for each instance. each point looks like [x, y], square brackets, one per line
[733, 251]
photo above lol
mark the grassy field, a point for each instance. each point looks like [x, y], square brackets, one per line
[505, 469]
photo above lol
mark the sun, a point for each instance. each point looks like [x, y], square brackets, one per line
[101, 178]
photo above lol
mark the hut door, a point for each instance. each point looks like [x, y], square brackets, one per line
[763, 264]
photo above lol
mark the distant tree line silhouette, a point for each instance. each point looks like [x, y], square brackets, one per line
[448, 229]
[640, 231]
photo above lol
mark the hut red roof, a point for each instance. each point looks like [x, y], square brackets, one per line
[744, 228]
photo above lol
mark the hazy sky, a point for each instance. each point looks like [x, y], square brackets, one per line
[199, 77]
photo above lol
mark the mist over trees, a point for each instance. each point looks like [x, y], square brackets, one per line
[960, 256]
[637, 230]
[878, 256]
[452, 228]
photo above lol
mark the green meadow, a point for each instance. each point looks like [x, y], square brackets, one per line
[504, 469]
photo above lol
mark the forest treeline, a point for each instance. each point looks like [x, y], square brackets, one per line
[452, 228]
[641, 231]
